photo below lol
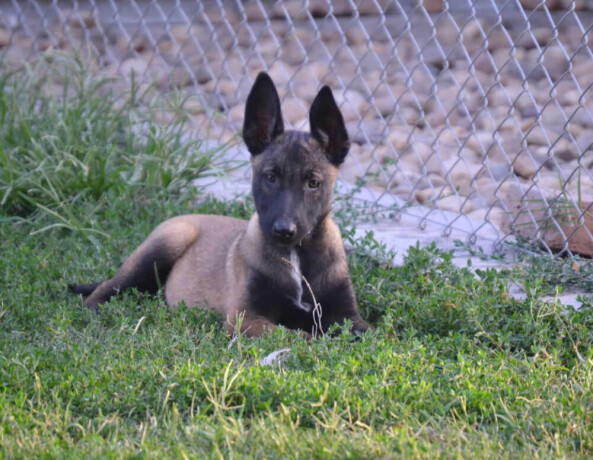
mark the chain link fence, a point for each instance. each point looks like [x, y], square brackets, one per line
[467, 114]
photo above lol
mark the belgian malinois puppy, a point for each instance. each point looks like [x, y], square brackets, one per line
[287, 265]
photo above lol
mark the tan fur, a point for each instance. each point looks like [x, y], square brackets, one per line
[213, 254]
[172, 237]
[211, 273]
[252, 272]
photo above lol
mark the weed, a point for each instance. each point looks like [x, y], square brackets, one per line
[59, 152]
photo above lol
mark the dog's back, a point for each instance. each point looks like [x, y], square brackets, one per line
[204, 274]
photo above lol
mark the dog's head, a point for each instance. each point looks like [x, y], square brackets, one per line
[293, 172]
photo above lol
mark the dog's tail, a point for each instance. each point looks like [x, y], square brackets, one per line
[84, 289]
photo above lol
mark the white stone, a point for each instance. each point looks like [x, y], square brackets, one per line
[137, 66]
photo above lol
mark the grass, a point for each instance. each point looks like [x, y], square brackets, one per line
[68, 139]
[455, 369]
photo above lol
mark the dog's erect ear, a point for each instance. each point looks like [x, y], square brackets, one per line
[263, 118]
[327, 126]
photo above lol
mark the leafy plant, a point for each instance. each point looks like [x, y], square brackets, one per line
[67, 138]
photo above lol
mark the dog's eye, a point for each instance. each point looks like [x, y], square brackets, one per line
[313, 183]
[270, 178]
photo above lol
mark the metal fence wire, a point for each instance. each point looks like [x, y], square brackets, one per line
[470, 114]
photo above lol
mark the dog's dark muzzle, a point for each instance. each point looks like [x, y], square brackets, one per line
[284, 231]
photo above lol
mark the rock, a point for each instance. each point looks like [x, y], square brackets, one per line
[425, 196]
[368, 84]
[523, 166]
[78, 19]
[540, 36]
[224, 86]
[403, 191]
[137, 66]
[203, 75]
[373, 7]
[4, 37]
[532, 70]
[537, 136]
[289, 9]
[398, 137]
[382, 154]
[342, 7]
[181, 33]
[480, 143]
[543, 35]
[435, 119]
[450, 152]
[353, 168]
[432, 6]
[541, 154]
[410, 164]
[321, 8]
[217, 15]
[280, 73]
[478, 215]
[177, 77]
[447, 32]
[369, 131]
[356, 35]
[484, 195]
[410, 116]
[194, 106]
[449, 136]
[583, 116]
[293, 110]
[136, 44]
[436, 180]
[569, 98]
[499, 171]
[166, 48]
[293, 51]
[305, 91]
[553, 119]
[472, 32]
[254, 11]
[544, 215]
[454, 203]
[565, 150]
[585, 142]
[551, 183]
[421, 150]
[484, 62]
[496, 216]
[385, 105]
[470, 160]
[497, 39]
[266, 47]
[9, 20]
[237, 113]
[433, 164]
[555, 62]
[408, 179]
[351, 103]
[461, 180]
[550, 4]
[370, 62]
[583, 71]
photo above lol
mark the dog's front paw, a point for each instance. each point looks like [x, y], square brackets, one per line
[359, 328]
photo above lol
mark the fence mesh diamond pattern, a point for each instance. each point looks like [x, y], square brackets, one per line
[469, 114]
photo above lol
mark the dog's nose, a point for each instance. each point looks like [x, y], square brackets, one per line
[284, 229]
